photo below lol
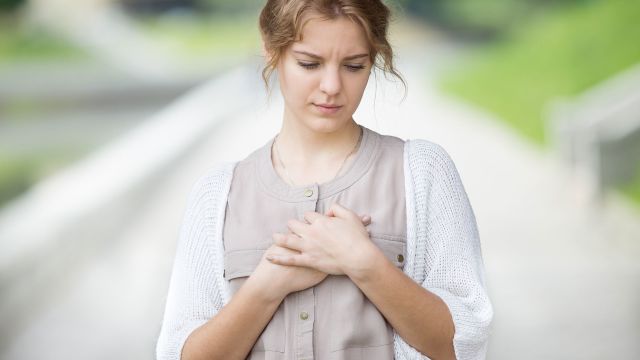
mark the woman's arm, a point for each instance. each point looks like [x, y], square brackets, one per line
[420, 317]
[440, 306]
[234, 330]
[197, 324]
[446, 256]
[445, 311]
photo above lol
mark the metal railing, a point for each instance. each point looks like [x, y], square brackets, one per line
[63, 221]
[598, 133]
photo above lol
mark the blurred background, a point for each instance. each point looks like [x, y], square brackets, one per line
[111, 109]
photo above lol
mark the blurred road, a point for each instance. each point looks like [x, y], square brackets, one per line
[564, 277]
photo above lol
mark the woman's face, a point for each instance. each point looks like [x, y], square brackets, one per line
[323, 76]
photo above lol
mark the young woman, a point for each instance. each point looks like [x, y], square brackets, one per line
[331, 241]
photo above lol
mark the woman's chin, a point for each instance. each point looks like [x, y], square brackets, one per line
[327, 125]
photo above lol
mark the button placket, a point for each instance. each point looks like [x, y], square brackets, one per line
[304, 323]
[306, 298]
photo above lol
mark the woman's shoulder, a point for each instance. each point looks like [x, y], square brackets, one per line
[419, 147]
[427, 158]
[419, 153]
[214, 178]
[217, 170]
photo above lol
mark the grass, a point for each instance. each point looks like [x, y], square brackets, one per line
[19, 172]
[632, 189]
[205, 36]
[19, 44]
[557, 55]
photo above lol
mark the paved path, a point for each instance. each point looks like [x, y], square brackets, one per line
[564, 278]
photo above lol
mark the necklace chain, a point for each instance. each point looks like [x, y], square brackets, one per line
[341, 166]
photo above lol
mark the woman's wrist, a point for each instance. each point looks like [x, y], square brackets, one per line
[360, 264]
[264, 292]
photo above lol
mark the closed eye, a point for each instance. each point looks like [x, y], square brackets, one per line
[354, 68]
[308, 65]
[312, 65]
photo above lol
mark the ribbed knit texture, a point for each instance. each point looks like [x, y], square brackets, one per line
[443, 254]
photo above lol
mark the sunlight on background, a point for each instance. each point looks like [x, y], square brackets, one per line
[110, 110]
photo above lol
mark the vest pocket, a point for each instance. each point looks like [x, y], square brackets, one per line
[393, 247]
[239, 263]
[242, 262]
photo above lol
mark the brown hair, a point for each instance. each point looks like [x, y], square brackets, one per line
[281, 25]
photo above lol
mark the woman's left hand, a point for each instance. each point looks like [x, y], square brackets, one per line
[335, 243]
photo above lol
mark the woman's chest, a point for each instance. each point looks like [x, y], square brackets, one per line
[253, 215]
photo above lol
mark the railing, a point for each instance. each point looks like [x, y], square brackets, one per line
[598, 133]
[67, 218]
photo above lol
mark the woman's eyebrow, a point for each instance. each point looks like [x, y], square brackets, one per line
[351, 57]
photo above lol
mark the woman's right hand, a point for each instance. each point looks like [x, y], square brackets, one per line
[280, 280]
[277, 281]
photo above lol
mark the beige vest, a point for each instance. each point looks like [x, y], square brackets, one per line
[332, 320]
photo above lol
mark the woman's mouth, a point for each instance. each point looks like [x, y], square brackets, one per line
[328, 108]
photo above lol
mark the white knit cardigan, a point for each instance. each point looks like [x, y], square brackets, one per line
[443, 254]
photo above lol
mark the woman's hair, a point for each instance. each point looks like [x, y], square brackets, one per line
[281, 25]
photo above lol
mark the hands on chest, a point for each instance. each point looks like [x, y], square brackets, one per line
[336, 243]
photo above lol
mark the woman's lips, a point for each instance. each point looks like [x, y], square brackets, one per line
[328, 109]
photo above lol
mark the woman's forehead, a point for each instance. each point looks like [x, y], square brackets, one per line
[340, 35]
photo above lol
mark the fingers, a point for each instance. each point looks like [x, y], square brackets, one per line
[366, 219]
[296, 226]
[340, 211]
[289, 260]
[289, 241]
[311, 216]
[283, 256]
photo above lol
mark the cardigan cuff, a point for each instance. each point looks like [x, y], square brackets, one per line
[170, 347]
[471, 327]
[404, 351]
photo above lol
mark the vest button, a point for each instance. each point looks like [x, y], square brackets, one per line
[400, 258]
[304, 315]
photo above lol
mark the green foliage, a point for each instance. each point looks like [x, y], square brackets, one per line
[493, 15]
[9, 5]
[558, 55]
[232, 6]
[18, 172]
[15, 177]
[218, 35]
[632, 189]
[480, 18]
[18, 43]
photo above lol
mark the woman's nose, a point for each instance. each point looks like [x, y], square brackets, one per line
[331, 83]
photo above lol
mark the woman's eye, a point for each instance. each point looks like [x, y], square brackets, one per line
[354, 68]
[307, 65]
[311, 65]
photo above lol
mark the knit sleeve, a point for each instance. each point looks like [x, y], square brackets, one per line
[196, 292]
[449, 262]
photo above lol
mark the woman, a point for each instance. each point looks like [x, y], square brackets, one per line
[273, 260]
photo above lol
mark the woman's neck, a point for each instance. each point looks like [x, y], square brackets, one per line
[300, 145]
[311, 156]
